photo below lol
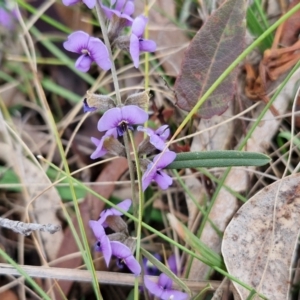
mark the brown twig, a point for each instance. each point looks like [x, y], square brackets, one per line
[27, 228]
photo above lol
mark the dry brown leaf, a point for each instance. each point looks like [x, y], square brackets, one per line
[35, 181]
[258, 245]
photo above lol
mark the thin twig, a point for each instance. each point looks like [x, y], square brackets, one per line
[27, 228]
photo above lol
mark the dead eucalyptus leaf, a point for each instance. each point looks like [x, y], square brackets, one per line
[258, 245]
[215, 46]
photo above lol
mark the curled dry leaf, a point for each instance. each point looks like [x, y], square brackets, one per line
[215, 46]
[260, 241]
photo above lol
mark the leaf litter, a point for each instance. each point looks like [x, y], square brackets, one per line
[222, 137]
[260, 241]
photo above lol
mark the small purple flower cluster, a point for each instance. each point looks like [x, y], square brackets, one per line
[92, 49]
[163, 287]
[122, 246]
[118, 120]
[118, 244]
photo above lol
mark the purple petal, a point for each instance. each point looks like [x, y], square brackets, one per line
[138, 25]
[77, 41]
[134, 115]
[6, 18]
[90, 3]
[164, 281]
[157, 142]
[134, 50]
[110, 119]
[147, 45]
[87, 108]
[129, 8]
[163, 180]
[173, 294]
[172, 264]
[149, 131]
[163, 160]
[163, 132]
[119, 5]
[70, 2]
[149, 268]
[120, 250]
[100, 151]
[106, 249]
[108, 12]
[99, 53]
[133, 265]
[125, 205]
[148, 176]
[152, 287]
[97, 228]
[83, 63]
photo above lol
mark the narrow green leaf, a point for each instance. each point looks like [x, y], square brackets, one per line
[211, 258]
[34, 285]
[212, 159]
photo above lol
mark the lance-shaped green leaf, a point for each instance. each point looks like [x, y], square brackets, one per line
[210, 257]
[215, 159]
[215, 46]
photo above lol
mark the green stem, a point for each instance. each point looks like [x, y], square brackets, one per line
[139, 212]
[135, 202]
[101, 19]
[23, 273]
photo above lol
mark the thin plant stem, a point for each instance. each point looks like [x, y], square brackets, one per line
[101, 19]
[23, 273]
[139, 212]
[131, 174]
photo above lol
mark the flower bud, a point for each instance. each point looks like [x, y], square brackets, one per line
[145, 147]
[117, 224]
[116, 25]
[140, 99]
[118, 236]
[122, 42]
[114, 147]
[94, 102]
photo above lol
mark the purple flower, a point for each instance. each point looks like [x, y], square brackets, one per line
[125, 204]
[122, 118]
[123, 253]
[122, 9]
[7, 18]
[163, 288]
[137, 43]
[149, 268]
[154, 171]
[172, 264]
[89, 3]
[103, 243]
[101, 150]
[90, 48]
[157, 137]
[87, 108]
